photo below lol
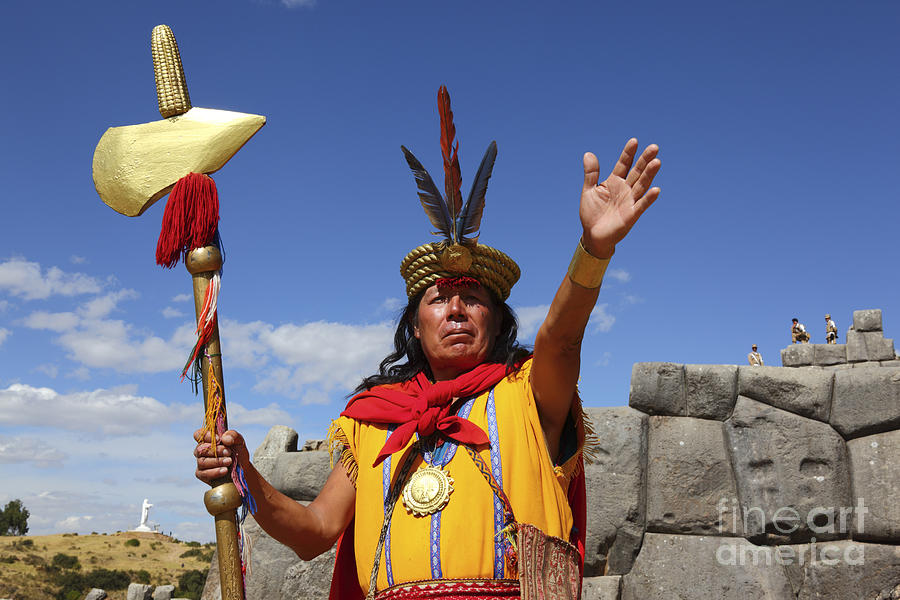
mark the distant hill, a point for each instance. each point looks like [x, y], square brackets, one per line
[48, 567]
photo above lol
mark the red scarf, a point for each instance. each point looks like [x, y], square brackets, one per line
[419, 406]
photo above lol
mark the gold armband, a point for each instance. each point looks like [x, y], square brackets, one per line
[586, 269]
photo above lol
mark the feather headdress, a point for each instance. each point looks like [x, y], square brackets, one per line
[458, 252]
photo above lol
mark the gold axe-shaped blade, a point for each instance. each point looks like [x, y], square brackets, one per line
[136, 165]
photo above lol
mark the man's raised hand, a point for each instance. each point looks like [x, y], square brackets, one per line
[610, 209]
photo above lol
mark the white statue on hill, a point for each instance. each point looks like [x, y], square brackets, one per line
[145, 514]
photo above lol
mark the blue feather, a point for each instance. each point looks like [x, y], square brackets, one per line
[469, 221]
[432, 201]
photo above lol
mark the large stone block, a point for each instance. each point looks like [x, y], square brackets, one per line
[308, 580]
[829, 354]
[601, 588]
[866, 401]
[688, 476]
[163, 592]
[806, 392]
[657, 388]
[798, 355]
[841, 570]
[691, 567]
[278, 440]
[867, 320]
[874, 461]
[787, 467]
[139, 591]
[868, 346]
[615, 490]
[711, 390]
[96, 594]
[301, 475]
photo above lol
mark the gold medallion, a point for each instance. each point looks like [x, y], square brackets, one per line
[427, 491]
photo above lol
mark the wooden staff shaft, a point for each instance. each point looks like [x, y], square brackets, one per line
[223, 499]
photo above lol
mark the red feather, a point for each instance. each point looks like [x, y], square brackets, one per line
[452, 177]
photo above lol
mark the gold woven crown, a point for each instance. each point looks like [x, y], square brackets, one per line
[459, 254]
[429, 262]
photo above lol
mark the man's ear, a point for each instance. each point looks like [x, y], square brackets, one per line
[414, 323]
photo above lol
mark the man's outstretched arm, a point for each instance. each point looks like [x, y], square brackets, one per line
[608, 211]
[308, 530]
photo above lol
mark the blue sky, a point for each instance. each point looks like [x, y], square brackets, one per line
[777, 125]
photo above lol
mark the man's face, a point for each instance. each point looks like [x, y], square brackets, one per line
[457, 327]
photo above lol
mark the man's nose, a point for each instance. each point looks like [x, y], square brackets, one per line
[456, 308]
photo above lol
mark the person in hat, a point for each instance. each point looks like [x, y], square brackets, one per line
[755, 358]
[830, 331]
[798, 332]
[465, 446]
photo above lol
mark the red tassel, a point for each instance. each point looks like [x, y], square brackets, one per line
[190, 220]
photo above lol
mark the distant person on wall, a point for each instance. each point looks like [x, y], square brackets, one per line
[798, 332]
[830, 331]
[755, 358]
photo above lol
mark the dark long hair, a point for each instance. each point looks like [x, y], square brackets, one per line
[506, 349]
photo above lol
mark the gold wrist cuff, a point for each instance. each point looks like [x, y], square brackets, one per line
[586, 269]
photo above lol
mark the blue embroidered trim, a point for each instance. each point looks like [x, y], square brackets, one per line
[386, 486]
[442, 457]
[497, 472]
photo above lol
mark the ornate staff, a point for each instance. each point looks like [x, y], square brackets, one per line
[136, 165]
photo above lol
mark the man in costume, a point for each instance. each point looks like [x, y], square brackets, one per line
[462, 463]
[755, 358]
[830, 330]
[798, 332]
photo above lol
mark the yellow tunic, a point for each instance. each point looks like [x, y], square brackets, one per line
[536, 489]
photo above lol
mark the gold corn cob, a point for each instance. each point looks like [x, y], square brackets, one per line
[171, 88]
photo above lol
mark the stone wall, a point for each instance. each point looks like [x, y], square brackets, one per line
[717, 481]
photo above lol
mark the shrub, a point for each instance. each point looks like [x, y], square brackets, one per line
[66, 561]
[200, 554]
[132, 542]
[69, 582]
[142, 576]
[8, 559]
[106, 579]
[194, 544]
[190, 584]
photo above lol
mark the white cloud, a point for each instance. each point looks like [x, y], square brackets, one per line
[171, 313]
[61, 321]
[82, 373]
[321, 355]
[632, 299]
[266, 416]
[620, 275]
[181, 298]
[77, 260]
[102, 306]
[48, 369]
[298, 3]
[392, 305]
[111, 412]
[600, 321]
[114, 344]
[604, 359]
[4, 333]
[530, 318]
[29, 450]
[27, 280]
[4, 305]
